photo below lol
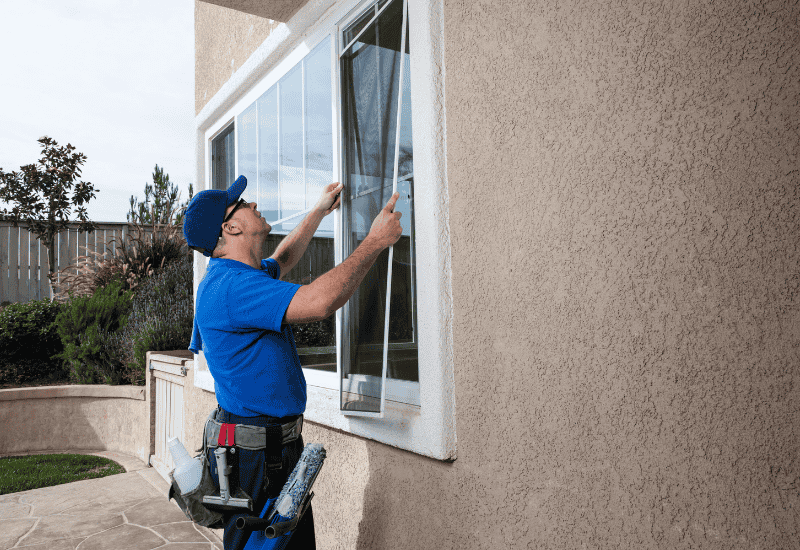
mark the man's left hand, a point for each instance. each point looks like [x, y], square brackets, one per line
[330, 199]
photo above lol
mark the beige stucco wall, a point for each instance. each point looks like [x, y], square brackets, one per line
[624, 215]
[223, 40]
[79, 418]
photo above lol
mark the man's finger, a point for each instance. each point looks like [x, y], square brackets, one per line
[392, 202]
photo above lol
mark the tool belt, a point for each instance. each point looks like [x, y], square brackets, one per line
[252, 438]
[237, 436]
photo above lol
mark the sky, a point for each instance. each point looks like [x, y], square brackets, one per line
[113, 78]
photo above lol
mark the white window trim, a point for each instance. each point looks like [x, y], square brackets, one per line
[427, 429]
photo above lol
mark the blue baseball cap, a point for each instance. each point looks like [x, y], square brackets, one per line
[202, 223]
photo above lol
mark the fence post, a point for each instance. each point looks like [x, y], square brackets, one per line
[24, 262]
[33, 267]
[4, 281]
[13, 264]
[45, 287]
[62, 253]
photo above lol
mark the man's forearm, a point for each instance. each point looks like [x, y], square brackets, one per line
[339, 284]
[294, 245]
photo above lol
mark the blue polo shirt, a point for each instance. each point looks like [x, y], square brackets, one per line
[250, 351]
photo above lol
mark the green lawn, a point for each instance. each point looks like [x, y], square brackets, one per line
[21, 473]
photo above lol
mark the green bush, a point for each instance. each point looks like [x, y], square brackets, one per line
[28, 342]
[160, 320]
[80, 325]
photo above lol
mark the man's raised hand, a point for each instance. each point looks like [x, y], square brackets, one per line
[330, 198]
[386, 229]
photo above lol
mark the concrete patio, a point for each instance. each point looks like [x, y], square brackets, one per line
[127, 511]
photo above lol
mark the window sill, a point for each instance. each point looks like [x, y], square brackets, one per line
[203, 378]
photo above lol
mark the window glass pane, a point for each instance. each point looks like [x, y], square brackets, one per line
[230, 152]
[268, 190]
[222, 160]
[292, 186]
[316, 342]
[370, 96]
[406, 163]
[246, 128]
[353, 30]
[293, 161]
[319, 135]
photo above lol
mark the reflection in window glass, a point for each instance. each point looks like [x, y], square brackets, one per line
[292, 139]
[318, 128]
[247, 152]
[290, 90]
[268, 188]
[370, 96]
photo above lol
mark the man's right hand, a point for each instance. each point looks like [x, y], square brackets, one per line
[331, 290]
[386, 229]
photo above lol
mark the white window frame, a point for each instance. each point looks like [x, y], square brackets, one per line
[429, 428]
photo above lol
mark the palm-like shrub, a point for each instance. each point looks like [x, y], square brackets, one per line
[147, 249]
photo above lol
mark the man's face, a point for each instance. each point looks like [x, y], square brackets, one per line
[247, 217]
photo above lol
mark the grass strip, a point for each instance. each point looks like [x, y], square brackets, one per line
[22, 473]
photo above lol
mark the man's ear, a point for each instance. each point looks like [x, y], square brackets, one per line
[231, 227]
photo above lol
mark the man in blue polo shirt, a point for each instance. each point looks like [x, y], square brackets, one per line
[242, 324]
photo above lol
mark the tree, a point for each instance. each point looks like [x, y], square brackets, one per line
[40, 197]
[165, 207]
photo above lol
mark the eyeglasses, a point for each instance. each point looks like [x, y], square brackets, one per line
[239, 204]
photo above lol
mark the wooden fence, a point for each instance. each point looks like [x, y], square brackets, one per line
[24, 262]
[318, 259]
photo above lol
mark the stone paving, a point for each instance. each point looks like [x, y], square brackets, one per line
[127, 511]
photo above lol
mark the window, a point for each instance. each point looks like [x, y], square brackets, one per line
[286, 154]
[332, 101]
[285, 149]
[222, 159]
[378, 160]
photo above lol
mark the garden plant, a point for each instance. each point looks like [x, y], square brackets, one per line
[28, 343]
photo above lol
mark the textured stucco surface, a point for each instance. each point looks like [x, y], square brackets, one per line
[279, 10]
[224, 39]
[74, 418]
[625, 219]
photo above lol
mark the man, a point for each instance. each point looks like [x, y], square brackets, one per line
[242, 324]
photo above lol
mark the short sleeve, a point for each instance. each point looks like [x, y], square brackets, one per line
[197, 341]
[259, 301]
[272, 267]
